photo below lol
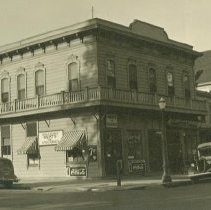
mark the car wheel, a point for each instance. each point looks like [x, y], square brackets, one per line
[8, 184]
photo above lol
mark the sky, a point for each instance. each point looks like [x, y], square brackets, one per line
[185, 21]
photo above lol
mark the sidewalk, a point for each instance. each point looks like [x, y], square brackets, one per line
[76, 185]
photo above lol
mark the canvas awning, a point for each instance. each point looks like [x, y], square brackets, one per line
[70, 140]
[29, 146]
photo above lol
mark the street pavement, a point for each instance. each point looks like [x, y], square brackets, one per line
[74, 185]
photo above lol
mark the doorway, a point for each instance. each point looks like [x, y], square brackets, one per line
[175, 152]
[113, 150]
[155, 151]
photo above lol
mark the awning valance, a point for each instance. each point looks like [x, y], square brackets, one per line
[71, 139]
[29, 146]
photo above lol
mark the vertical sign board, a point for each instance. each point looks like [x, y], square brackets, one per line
[111, 121]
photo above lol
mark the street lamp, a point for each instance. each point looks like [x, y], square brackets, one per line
[166, 178]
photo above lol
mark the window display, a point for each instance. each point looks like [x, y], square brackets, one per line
[136, 164]
[134, 145]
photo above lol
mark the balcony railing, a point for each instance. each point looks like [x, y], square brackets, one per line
[103, 95]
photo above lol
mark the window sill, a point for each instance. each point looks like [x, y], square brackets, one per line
[33, 165]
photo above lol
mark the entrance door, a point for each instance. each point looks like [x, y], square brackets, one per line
[155, 151]
[175, 154]
[113, 150]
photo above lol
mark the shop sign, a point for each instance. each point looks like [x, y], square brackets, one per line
[182, 123]
[50, 138]
[77, 171]
[136, 166]
[111, 121]
[92, 153]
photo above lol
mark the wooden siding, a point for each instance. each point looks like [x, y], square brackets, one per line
[122, 52]
[55, 62]
[53, 163]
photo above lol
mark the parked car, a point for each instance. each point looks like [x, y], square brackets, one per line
[200, 169]
[7, 175]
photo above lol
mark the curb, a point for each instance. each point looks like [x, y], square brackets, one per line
[93, 187]
[116, 188]
[177, 184]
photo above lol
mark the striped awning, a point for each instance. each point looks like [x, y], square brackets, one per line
[70, 140]
[29, 146]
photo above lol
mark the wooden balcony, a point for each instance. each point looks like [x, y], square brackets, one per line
[101, 96]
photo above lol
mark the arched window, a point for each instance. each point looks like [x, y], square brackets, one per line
[39, 83]
[73, 76]
[133, 77]
[110, 72]
[186, 83]
[170, 83]
[21, 86]
[152, 81]
[5, 90]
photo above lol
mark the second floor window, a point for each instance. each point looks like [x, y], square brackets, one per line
[5, 90]
[152, 81]
[73, 77]
[133, 77]
[186, 83]
[39, 82]
[110, 72]
[5, 140]
[170, 83]
[21, 86]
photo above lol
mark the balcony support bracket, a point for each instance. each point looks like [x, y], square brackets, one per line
[73, 120]
[47, 123]
[23, 125]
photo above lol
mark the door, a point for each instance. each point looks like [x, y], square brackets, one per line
[155, 151]
[175, 154]
[113, 150]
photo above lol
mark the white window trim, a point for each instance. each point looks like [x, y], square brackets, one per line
[5, 75]
[72, 59]
[39, 66]
[20, 71]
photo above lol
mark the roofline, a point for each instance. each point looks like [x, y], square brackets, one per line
[88, 25]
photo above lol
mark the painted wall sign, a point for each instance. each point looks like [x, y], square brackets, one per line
[77, 171]
[111, 121]
[50, 138]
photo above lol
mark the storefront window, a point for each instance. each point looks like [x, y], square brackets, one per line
[33, 156]
[77, 154]
[5, 140]
[134, 145]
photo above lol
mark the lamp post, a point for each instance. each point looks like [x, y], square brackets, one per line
[166, 178]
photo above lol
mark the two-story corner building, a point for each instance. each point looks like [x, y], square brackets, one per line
[76, 99]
